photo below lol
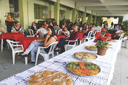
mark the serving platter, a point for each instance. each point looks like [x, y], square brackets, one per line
[85, 56]
[83, 68]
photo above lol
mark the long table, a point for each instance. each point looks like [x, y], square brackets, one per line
[106, 63]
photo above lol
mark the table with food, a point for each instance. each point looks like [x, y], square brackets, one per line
[78, 66]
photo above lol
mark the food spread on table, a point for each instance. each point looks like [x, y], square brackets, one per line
[113, 40]
[109, 45]
[85, 55]
[83, 68]
[93, 48]
[50, 78]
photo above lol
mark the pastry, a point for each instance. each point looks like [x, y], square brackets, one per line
[50, 78]
[85, 55]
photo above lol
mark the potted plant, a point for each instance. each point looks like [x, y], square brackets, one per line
[102, 44]
[125, 24]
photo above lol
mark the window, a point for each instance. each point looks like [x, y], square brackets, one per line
[14, 8]
[40, 12]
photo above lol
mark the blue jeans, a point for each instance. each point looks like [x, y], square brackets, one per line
[33, 47]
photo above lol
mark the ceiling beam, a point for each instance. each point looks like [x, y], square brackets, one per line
[111, 14]
[111, 3]
[120, 8]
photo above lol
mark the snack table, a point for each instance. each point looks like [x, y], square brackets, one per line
[106, 63]
[14, 36]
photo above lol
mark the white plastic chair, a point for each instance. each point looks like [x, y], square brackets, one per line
[59, 31]
[70, 45]
[31, 33]
[46, 56]
[88, 36]
[121, 36]
[16, 48]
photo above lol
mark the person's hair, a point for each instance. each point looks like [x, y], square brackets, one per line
[33, 22]
[53, 31]
[122, 27]
[115, 25]
[17, 22]
[10, 14]
[84, 24]
[105, 25]
[55, 23]
[112, 23]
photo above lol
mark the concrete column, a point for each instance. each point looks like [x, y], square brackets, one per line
[84, 17]
[74, 14]
[95, 19]
[55, 11]
[58, 12]
[91, 16]
[23, 9]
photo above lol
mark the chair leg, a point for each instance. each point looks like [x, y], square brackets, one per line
[53, 54]
[13, 57]
[46, 57]
[26, 60]
[2, 45]
[36, 58]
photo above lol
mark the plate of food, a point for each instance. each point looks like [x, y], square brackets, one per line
[93, 48]
[109, 45]
[50, 78]
[85, 56]
[113, 41]
[83, 68]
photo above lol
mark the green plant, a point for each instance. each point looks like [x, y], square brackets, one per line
[125, 24]
[102, 44]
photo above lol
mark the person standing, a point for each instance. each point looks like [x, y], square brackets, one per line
[9, 22]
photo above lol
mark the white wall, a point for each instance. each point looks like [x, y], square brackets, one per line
[125, 17]
[4, 8]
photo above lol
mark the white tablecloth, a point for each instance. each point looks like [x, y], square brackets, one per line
[106, 63]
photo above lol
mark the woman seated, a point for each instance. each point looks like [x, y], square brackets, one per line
[86, 31]
[63, 41]
[50, 38]
[17, 28]
[119, 32]
[65, 32]
[34, 27]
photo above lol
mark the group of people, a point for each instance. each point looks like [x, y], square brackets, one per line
[115, 28]
[47, 33]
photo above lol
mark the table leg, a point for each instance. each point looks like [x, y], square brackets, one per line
[1, 45]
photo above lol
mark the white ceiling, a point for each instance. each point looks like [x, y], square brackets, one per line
[102, 7]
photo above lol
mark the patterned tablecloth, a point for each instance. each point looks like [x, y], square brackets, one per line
[106, 63]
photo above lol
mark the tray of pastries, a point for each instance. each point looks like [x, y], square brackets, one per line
[50, 78]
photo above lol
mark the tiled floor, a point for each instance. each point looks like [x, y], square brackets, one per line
[7, 69]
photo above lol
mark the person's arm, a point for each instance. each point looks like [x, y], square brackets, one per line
[85, 31]
[51, 40]
[21, 30]
[40, 40]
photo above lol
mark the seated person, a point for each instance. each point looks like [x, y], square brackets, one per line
[2, 30]
[65, 32]
[17, 28]
[34, 27]
[42, 31]
[50, 38]
[50, 24]
[106, 27]
[86, 31]
[64, 25]
[56, 27]
[118, 33]
[115, 27]
[91, 25]
[63, 41]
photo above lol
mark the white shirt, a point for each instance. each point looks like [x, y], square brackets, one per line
[42, 31]
[120, 32]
